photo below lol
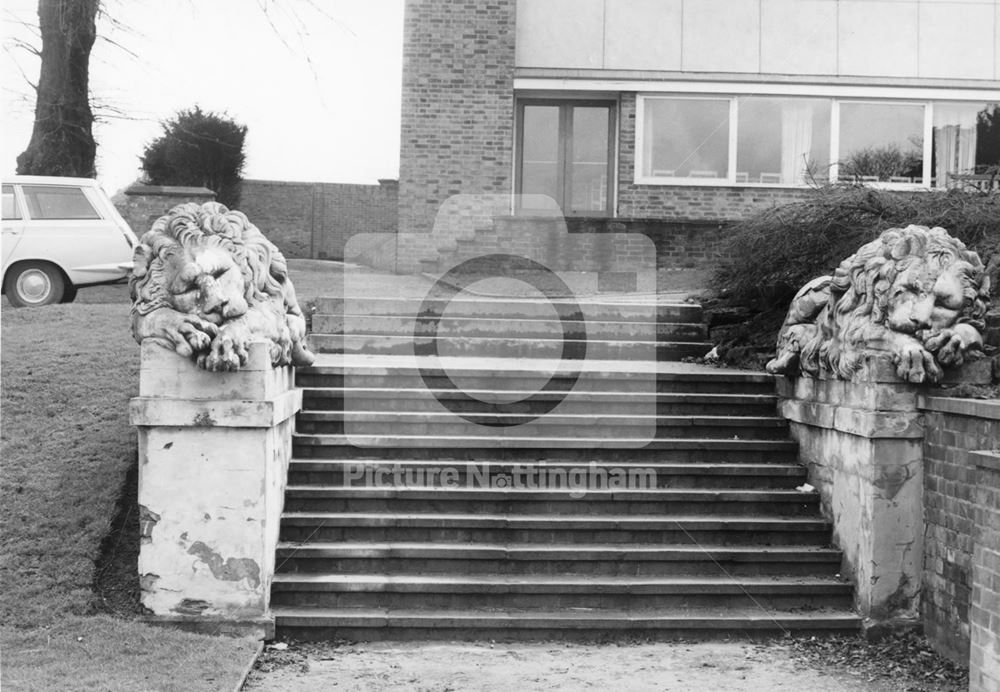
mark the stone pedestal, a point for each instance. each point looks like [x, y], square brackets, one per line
[862, 442]
[214, 450]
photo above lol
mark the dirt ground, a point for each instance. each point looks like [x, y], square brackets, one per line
[717, 666]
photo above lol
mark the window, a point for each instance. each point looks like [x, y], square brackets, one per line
[881, 143]
[966, 143]
[686, 138]
[565, 152]
[57, 202]
[801, 140]
[10, 208]
[783, 141]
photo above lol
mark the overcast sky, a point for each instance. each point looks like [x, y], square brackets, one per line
[316, 82]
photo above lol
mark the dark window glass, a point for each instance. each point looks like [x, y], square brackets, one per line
[45, 202]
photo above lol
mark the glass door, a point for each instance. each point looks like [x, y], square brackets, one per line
[565, 151]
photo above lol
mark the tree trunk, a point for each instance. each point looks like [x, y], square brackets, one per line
[62, 140]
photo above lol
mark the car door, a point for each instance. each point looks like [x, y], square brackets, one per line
[13, 224]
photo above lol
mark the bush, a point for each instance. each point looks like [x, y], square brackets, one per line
[198, 148]
[773, 253]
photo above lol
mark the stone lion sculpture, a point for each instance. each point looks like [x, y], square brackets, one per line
[916, 293]
[206, 282]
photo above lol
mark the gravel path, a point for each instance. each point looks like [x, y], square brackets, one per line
[706, 666]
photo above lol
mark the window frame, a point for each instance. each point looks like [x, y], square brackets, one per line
[18, 205]
[835, 103]
[27, 213]
[563, 149]
[925, 133]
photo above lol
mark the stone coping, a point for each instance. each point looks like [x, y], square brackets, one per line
[879, 368]
[975, 408]
[204, 413]
[854, 421]
[985, 459]
[169, 191]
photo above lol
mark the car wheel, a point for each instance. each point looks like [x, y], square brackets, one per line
[33, 284]
[69, 293]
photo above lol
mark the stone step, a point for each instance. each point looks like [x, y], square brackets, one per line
[609, 449]
[529, 401]
[442, 591]
[744, 502]
[509, 375]
[505, 347]
[689, 475]
[370, 624]
[526, 327]
[619, 559]
[547, 529]
[448, 424]
[515, 307]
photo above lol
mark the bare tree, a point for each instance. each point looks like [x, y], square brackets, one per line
[62, 139]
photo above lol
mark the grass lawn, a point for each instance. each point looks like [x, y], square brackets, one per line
[66, 445]
[67, 374]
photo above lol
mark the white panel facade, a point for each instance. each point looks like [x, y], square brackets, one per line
[560, 33]
[643, 34]
[878, 38]
[798, 37]
[721, 36]
[963, 40]
[929, 39]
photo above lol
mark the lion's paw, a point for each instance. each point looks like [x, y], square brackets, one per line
[915, 363]
[951, 344]
[228, 352]
[187, 334]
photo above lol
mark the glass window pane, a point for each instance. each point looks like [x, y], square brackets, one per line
[966, 143]
[589, 171]
[783, 141]
[881, 142]
[58, 203]
[540, 152]
[10, 210]
[686, 138]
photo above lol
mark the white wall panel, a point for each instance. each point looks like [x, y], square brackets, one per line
[798, 37]
[642, 34]
[878, 38]
[560, 33]
[721, 36]
[961, 41]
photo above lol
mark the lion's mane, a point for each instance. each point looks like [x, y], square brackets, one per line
[266, 284]
[860, 295]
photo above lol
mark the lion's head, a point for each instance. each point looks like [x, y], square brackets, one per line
[912, 279]
[915, 292]
[214, 267]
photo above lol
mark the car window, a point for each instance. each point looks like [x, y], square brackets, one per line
[10, 208]
[45, 202]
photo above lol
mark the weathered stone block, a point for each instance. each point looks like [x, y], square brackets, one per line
[867, 464]
[214, 450]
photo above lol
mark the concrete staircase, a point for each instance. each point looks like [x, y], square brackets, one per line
[716, 540]
[511, 328]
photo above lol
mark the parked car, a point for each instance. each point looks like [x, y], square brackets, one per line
[60, 234]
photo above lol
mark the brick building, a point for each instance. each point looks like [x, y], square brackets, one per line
[688, 111]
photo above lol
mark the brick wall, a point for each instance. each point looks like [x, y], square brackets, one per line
[457, 106]
[955, 428]
[984, 615]
[141, 205]
[680, 201]
[317, 219]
